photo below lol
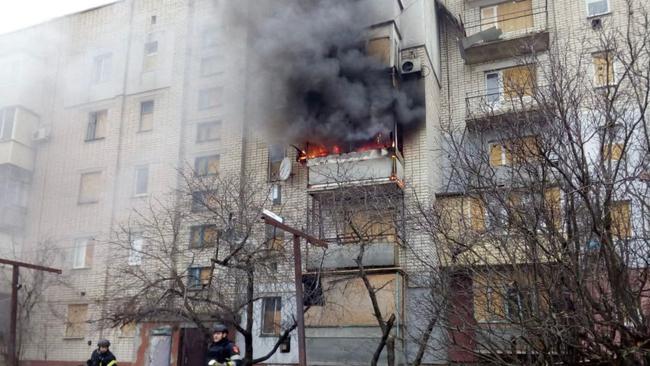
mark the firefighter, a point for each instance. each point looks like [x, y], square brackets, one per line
[102, 356]
[222, 351]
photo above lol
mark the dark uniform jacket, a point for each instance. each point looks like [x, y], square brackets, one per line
[223, 351]
[102, 359]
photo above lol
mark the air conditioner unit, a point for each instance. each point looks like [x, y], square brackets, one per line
[410, 66]
[41, 134]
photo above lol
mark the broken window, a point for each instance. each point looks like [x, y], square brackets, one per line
[146, 116]
[199, 277]
[75, 325]
[597, 7]
[89, 189]
[135, 249]
[202, 236]
[508, 16]
[208, 131]
[141, 180]
[210, 98]
[102, 68]
[7, 117]
[276, 154]
[603, 68]
[206, 165]
[83, 253]
[272, 316]
[313, 290]
[621, 215]
[96, 125]
[150, 54]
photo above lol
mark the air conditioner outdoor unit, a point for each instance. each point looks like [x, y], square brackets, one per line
[41, 134]
[410, 66]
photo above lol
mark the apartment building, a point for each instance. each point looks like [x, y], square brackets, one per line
[97, 122]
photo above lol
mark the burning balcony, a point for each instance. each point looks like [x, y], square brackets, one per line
[503, 29]
[335, 166]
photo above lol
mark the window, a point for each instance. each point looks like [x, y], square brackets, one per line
[597, 7]
[202, 200]
[508, 16]
[369, 225]
[102, 68]
[202, 236]
[141, 180]
[146, 116]
[553, 205]
[199, 277]
[274, 237]
[153, 19]
[513, 82]
[276, 154]
[210, 66]
[150, 54]
[313, 290]
[83, 253]
[621, 225]
[516, 151]
[96, 125]
[475, 211]
[128, 329]
[379, 48]
[209, 98]
[276, 194]
[75, 325]
[89, 187]
[210, 38]
[7, 117]
[272, 316]
[499, 154]
[208, 131]
[613, 151]
[135, 249]
[603, 68]
[206, 165]
[16, 193]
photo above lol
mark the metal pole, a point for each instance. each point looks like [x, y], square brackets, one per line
[302, 352]
[13, 358]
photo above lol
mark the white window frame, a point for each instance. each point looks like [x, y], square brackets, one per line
[588, 2]
[4, 123]
[136, 244]
[79, 253]
[488, 93]
[102, 65]
[136, 177]
[277, 306]
[495, 18]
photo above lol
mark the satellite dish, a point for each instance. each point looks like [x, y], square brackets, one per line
[285, 169]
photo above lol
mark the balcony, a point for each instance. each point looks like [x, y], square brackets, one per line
[376, 166]
[382, 251]
[504, 30]
[484, 105]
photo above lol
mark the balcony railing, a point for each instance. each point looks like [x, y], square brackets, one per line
[485, 105]
[379, 251]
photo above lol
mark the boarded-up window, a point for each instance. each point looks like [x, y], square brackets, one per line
[613, 151]
[96, 125]
[146, 115]
[367, 226]
[89, 187]
[519, 81]
[499, 155]
[128, 329]
[603, 65]
[621, 224]
[499, 297]
[272, 316]
[76, 321]
[207, 165]
[553, 202]
[524, 150]
[380, 49]
[509, 16]
[199, 277]
[476, 213]
[203, 235]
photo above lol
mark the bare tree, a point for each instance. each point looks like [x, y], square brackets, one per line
[542, 225]
[218, 274]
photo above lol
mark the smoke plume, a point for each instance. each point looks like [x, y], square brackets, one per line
[330, 90]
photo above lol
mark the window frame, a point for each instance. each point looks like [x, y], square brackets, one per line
[588, 2]
[202, 165]
[83, 252]
[276, 303]
[4, 123]
[606, 55]
[206, 125]
[93, 122]
[136, 180]
[70, 331]
[80, 199]
[204, 99]
[151, 114]
[195, 282]
[201, 229]
[205, 71]
[102, 65]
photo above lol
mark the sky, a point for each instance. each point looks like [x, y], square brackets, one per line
[17, 14]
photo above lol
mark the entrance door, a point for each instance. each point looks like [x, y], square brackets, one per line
[193, 347]
[160, 346]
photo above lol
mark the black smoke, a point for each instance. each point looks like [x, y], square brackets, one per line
[330, 89]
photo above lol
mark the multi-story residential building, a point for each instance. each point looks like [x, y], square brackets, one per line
[98, 121]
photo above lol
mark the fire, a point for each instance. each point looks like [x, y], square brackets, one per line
[313, 150]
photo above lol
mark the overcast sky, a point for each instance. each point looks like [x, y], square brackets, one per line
[16, 14]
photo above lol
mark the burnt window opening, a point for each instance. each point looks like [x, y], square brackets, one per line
[313, 290]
